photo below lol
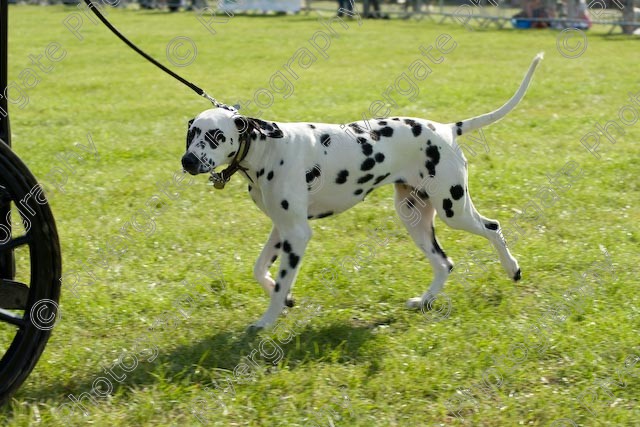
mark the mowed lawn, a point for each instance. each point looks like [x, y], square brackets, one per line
[154, 322]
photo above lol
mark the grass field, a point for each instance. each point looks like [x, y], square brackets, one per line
[351, 354]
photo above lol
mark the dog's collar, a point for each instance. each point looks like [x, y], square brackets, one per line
[220, 179]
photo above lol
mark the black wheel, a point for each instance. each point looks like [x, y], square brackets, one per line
[28, 301]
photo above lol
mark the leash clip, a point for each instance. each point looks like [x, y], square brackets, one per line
[218, 180]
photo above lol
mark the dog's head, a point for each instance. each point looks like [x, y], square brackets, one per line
[214, 138]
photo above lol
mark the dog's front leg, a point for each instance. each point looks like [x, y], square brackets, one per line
[294, 237]
[267, 257]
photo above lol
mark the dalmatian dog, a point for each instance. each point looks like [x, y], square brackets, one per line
[284, 161]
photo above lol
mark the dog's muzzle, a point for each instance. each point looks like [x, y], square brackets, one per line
[191, 163]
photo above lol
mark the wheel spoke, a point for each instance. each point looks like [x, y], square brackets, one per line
[13, 295]
[9, 317]
[14, 243]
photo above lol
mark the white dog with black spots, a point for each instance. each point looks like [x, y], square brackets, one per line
[281, 161]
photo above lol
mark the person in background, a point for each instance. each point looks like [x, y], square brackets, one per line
[583, 18]
[534, 9]
[345, 5]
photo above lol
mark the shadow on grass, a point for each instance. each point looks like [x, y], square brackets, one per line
[337, 343]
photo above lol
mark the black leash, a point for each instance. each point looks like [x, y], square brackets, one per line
[115, 31]
[219, 179]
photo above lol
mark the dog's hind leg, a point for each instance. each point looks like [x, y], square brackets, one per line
[456, 209]
[417, 214]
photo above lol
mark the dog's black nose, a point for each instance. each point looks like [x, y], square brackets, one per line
[190, 163]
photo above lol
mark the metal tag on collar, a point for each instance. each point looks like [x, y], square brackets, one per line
[218, 181]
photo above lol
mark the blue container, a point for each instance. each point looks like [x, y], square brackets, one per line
[521, 23]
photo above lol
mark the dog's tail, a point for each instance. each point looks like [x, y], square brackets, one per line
[478, 122]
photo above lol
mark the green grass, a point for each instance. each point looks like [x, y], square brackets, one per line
[398, 368]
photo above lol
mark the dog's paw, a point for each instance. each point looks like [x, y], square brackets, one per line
[517, 276]
[414, 303]
[254, 328]
[289, 301]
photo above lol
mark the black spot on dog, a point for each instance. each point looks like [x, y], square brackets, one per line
[433, 156]
[447, 205]
[491, 225]
[411, 202]
[276, 288]
[362, 140]
[422, 175]
[356, 128]
[431, 126]
[358, 191]
[435, 243]
[431, 168]
[311, 126]
[422, 194]
[433, 153]
[270, 176]
[459, 129]
[428, 142]
[283, 273]
[249, 187]
[375, 135]
[284, 204]
[396, 119]
[231, 154]
[382, 123]
[368, 177]
[286, 246]
[254, 136]
[410, 122]
[386, 131]
[293, 260]
[309, 216]
[313, 173]
[368, 164]
[379, 157]
[278, 245]
[416, 129]
[281, 162]
[456, 192]
[342, 176]
[369, 191]
[214, 137]
[260, 173]
[193, 133]
[274, 258]
[325, 140]
[400, 181]
[324, 214]
[380, 179]
[367, 148]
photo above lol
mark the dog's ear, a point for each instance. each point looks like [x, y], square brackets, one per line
[257, 129]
